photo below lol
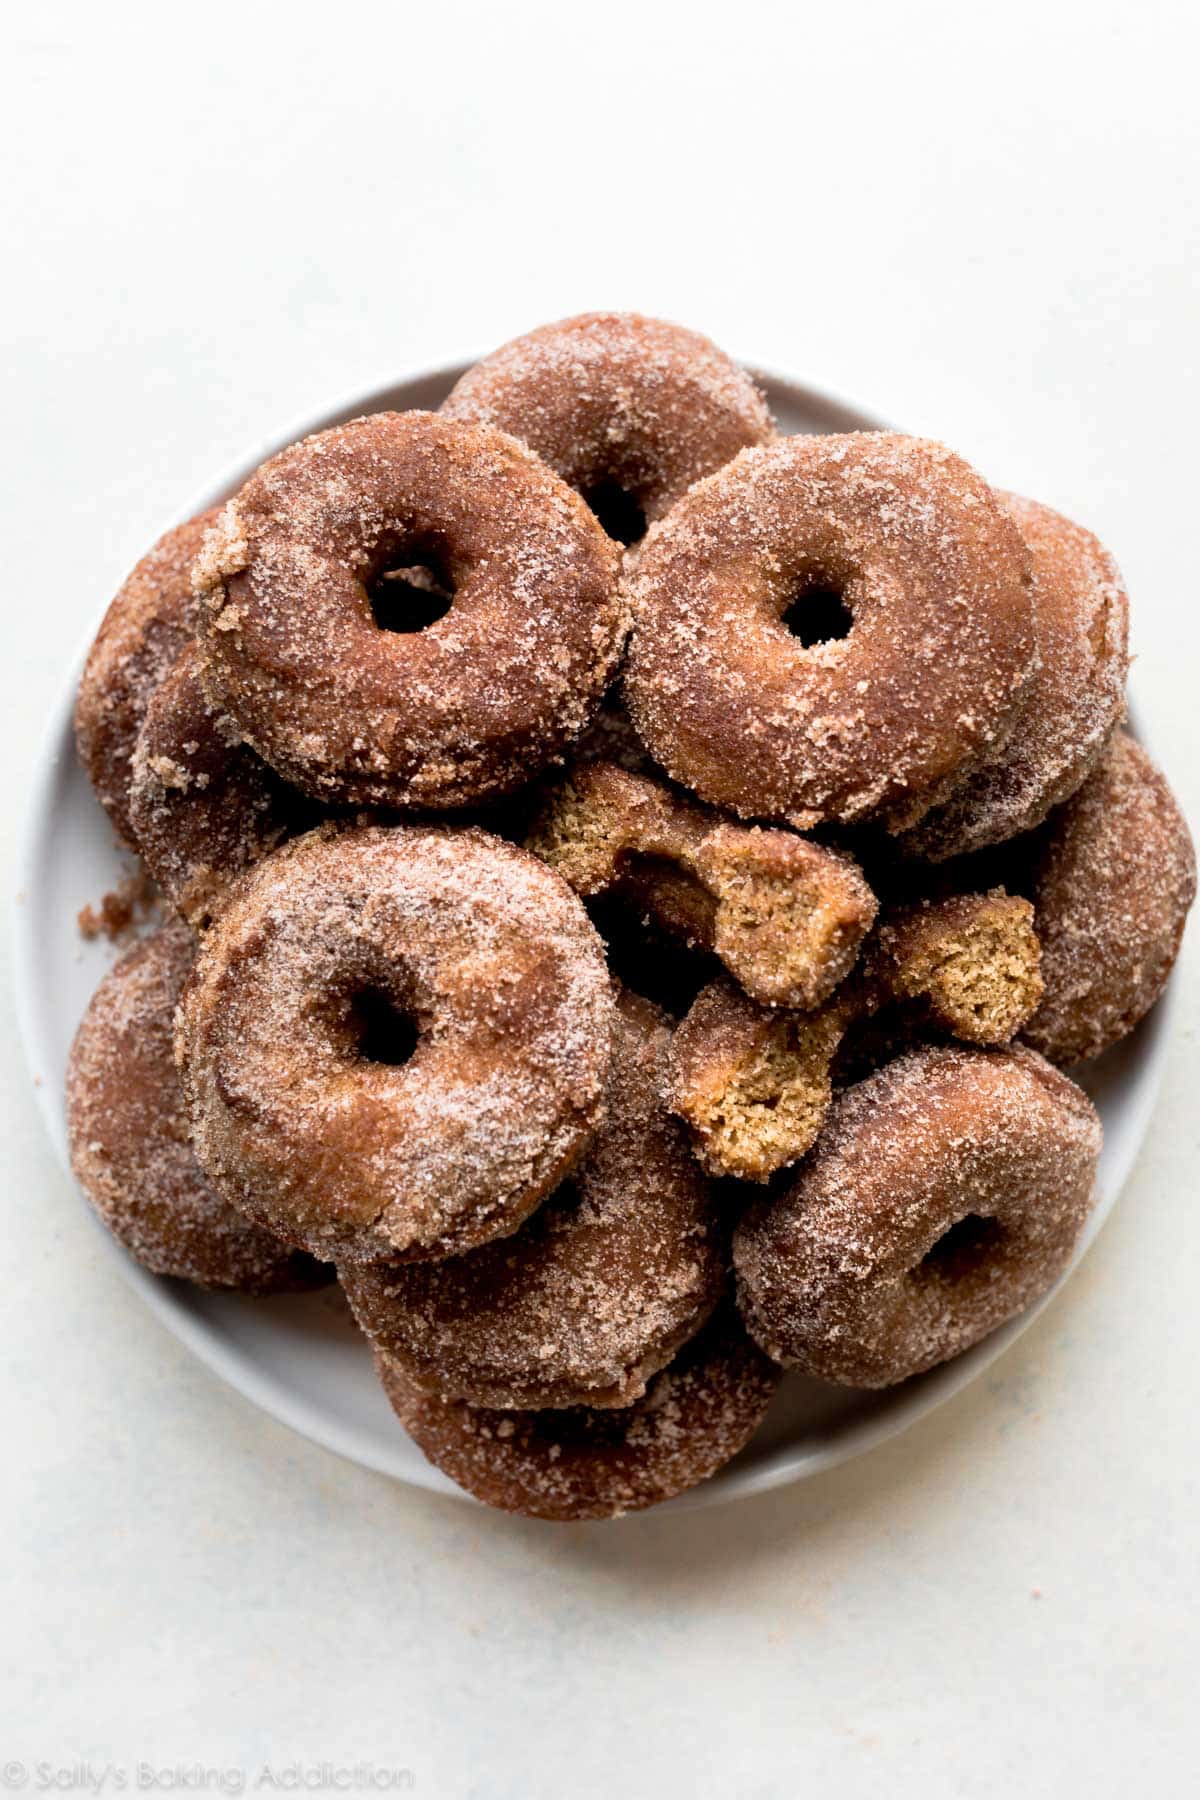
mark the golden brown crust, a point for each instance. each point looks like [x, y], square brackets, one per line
[1116, 880]
[203, 805]
[618, 399]
[462, 711]
[344, 1145]
[596, 1292]
[785, 916]
[1076, 696]
[129, 1137]
[149, 622]
[589, 1463]
[878, 725]
[945, 1196]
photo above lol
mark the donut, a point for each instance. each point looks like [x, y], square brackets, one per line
[629, 411]
[318, 575]
[147, 625]
[1076, 696]
[753, 1082]
[596, 1292]
[203, 805]
[1115, 879]
[920, 669]
[972, 960]
[785, 916]
[946, 1193]
[598, 1462]
[128, 1135]
[395, 1041]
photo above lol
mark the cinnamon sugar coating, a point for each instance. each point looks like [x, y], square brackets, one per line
[129, 1141]
[149, 622]
[878, 725]
[945, 1195]
[621, 406]
[784, 915]
[972, 961]
[1076, 697]
[310, 1105]
[203, 805]
[595, 1292]
[597, 1463]
[467, 708]
[1112, 891]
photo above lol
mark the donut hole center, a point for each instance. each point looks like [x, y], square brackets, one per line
[659, 968]
[659, 889]
[411, 592]
[618, 512]
[964, 1248]
[816, 611]
[381, 1031]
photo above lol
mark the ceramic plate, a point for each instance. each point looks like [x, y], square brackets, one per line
[299, 1358]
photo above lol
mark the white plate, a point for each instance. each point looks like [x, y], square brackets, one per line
[299, 1358]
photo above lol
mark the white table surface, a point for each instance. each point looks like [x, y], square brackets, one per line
[983, 223]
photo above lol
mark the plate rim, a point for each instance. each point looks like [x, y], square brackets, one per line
[168, 1300]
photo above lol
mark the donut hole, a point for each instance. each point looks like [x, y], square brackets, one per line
[961, 1251]
[618, 511]
[643, 958]
[380, 1030]
[817, 612]
[657, 887]
[411, 592]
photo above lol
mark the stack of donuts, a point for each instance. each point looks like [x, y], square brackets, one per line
[632, 883]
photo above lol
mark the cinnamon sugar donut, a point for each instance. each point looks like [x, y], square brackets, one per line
[630, 411]
[353, 709]
[203, 805]
[878, 724]
[143, 631]
[971, 961]
[596, 1292]
[129, 1136]
[752, 1081]
[786, 916]
[944, 1196]
[1115, 881]
[588, 1463]
[395, 1041]
[1077, 695]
